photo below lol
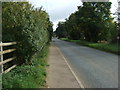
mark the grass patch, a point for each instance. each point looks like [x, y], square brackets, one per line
[112, 48]
[28, 76]
[65, 39]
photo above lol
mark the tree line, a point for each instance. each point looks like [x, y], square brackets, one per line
[91, 22]
[30, 27]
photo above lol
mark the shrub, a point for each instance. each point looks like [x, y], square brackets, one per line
[28, 76]
[28, 26]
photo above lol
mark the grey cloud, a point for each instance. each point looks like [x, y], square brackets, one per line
[62, 13]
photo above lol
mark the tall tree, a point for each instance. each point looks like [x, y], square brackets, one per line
[61, 30]
[93, 18]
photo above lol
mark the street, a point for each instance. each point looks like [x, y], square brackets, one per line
[94, 68]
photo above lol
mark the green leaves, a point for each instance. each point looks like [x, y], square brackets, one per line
[28, 26]
[92, 22]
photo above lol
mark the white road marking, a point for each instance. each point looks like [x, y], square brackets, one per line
[79, 82]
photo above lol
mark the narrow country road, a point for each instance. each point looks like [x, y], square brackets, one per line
[94, 68]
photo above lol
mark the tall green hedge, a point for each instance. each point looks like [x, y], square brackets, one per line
[26, 25]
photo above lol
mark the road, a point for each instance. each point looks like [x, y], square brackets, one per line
[94, 68]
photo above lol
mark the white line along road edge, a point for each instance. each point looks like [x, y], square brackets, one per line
[79, 82]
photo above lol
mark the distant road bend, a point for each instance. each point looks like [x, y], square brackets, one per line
[94, 68]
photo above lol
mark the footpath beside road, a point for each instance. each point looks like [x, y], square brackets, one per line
[59, 74]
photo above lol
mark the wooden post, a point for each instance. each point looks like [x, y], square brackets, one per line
[1, 66]
[1, 48]
[1, 59]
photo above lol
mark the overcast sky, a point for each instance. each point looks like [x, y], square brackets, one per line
[59, 10]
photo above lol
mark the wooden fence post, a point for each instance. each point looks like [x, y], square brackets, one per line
[1, 59]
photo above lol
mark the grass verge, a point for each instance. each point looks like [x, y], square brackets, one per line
[28, 76]
[112, 48]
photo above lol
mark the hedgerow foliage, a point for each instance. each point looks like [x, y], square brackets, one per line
[28, 26]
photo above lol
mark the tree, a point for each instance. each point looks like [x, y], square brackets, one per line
[92, 22]
[26, 25]
[93, 18]
[61, 30]
[50, 30]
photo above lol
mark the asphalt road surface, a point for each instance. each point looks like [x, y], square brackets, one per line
[94, 68]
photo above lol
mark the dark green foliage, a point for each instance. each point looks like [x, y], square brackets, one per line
[61, 30]
[27, 26]
[31, 29]
[92, 22]
[28, 76]
[94, 19]
[50, 31]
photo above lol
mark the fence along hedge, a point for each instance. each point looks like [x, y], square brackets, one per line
[28, 26]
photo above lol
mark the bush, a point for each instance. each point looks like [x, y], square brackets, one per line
[28, 26]
[24, 77]
[28, 76]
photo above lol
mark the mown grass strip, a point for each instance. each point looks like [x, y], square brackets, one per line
[112, 48]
